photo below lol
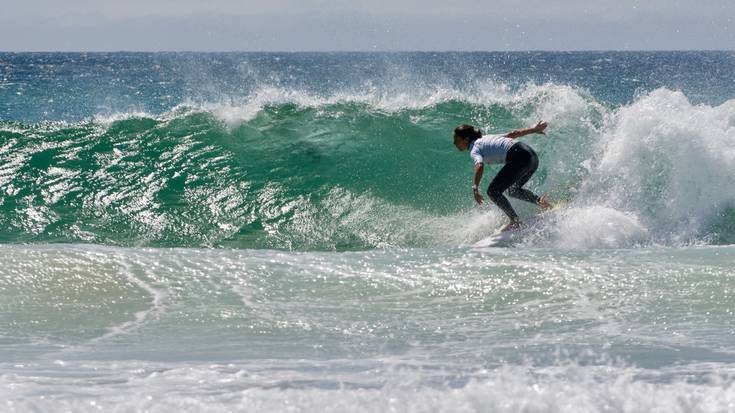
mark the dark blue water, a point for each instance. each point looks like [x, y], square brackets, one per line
[73, 86]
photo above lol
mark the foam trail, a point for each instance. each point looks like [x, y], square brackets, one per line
[140, 318]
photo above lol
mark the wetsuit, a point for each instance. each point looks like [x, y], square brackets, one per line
[520, 163]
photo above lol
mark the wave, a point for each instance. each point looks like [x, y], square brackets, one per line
[286, 169]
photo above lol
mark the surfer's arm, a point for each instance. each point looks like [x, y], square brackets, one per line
[539, 128]
[479, 167]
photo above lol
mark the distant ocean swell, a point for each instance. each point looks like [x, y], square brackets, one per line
[288, 170]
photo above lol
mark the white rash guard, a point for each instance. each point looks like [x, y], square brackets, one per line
[490, 149]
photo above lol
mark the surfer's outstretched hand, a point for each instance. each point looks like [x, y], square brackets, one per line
[540, 127]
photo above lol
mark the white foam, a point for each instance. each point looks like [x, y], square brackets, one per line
[219, 388]
[598, 227]
[109, 119]
[668, 163]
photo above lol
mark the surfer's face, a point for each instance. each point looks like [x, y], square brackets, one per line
[461, 143]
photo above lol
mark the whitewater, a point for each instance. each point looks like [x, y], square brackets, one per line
[294, 232]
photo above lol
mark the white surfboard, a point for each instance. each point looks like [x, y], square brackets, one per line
[509, 236]
[515, 235]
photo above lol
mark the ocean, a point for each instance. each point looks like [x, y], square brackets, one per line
[270, 232]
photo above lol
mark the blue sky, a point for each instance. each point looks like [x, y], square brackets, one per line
[322, 25]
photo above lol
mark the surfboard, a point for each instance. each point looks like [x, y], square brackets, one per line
[511, 236]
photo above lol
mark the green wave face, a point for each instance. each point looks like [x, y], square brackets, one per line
[351, 174]
[338, 176]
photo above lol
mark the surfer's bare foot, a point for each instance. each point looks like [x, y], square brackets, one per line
[544, 203]
[512, 225]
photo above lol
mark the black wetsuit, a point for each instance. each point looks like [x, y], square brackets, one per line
[520, 163]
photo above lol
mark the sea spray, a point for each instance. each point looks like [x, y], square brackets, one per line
[667, 163]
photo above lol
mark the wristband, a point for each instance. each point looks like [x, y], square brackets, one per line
[474, 187]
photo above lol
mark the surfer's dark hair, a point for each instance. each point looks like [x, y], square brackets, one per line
[468, 132]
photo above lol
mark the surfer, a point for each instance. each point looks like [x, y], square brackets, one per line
[520, 162]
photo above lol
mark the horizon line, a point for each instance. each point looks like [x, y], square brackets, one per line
[376, 51]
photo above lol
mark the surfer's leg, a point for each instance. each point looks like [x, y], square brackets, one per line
[516, 190]
[504, 179]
